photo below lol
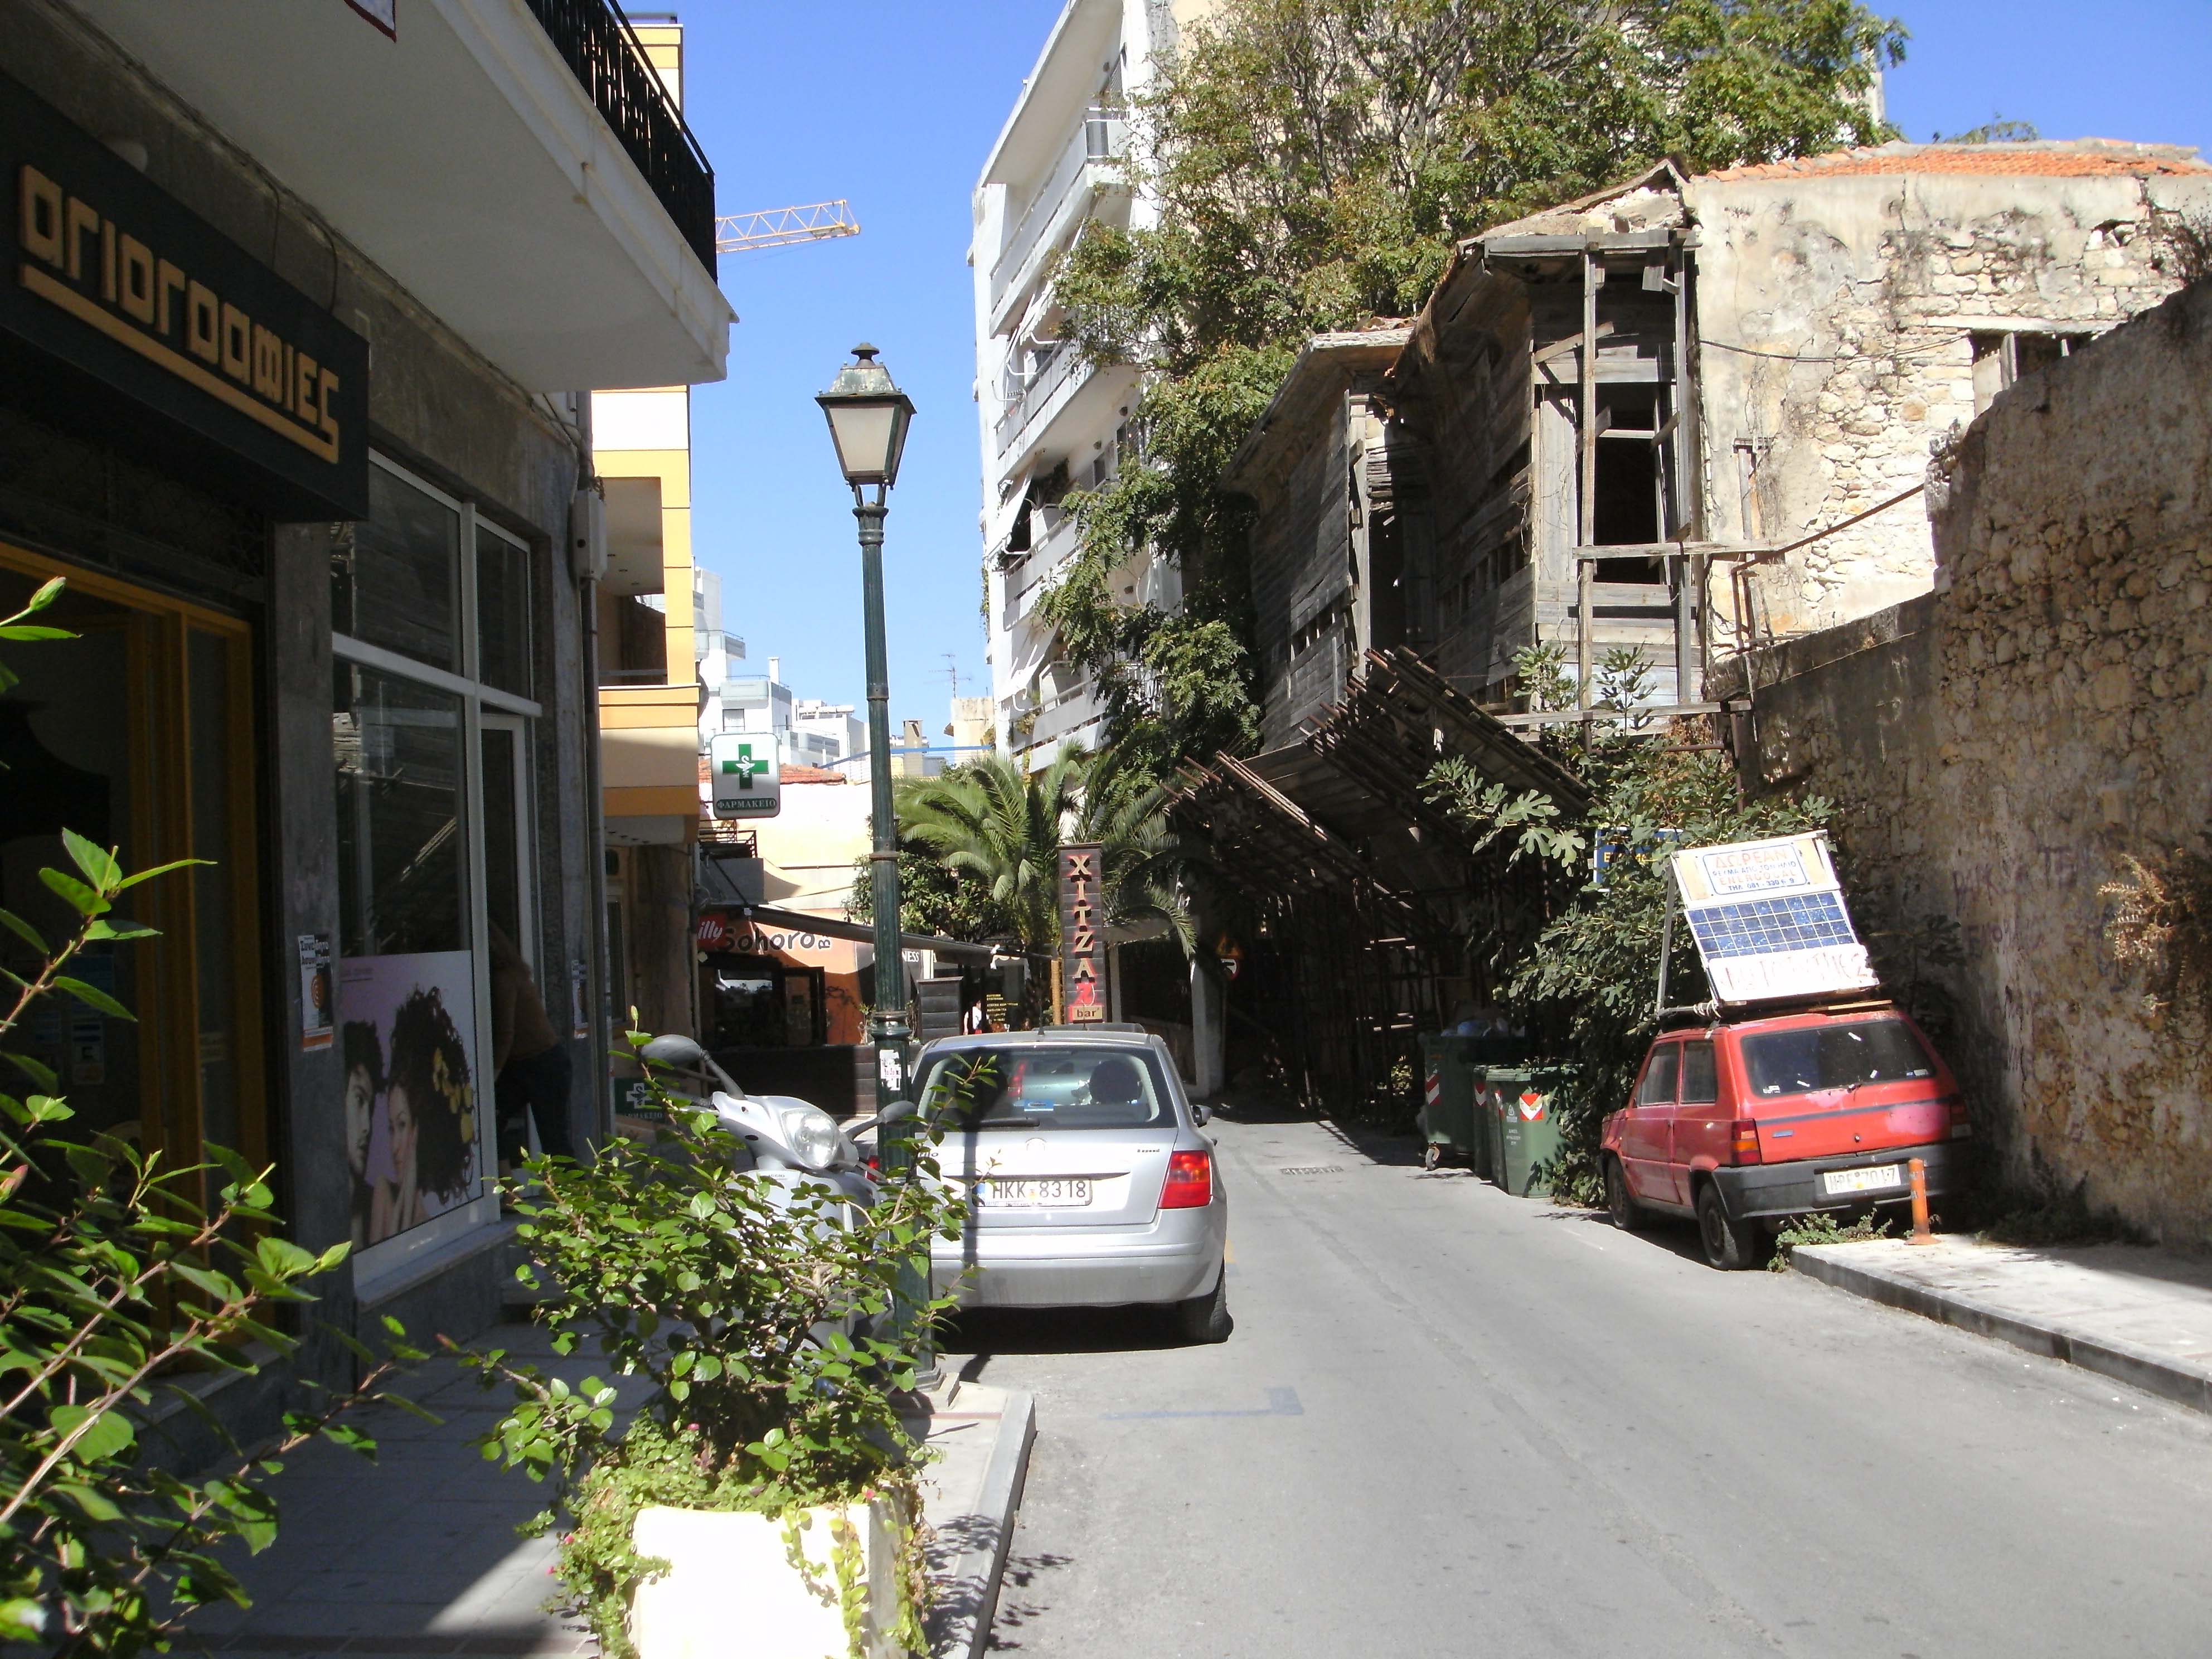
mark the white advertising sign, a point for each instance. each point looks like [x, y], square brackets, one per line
[1769, 920]
[746, 780]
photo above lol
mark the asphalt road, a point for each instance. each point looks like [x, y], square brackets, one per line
[1455, 1423]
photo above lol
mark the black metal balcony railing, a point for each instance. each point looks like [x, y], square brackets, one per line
[600, 47]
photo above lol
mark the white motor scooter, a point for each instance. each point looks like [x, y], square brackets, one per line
[792, 1141]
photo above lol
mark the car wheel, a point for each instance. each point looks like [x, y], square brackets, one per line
[1627, 1213]
[1206, 1318]
[1730, 1245]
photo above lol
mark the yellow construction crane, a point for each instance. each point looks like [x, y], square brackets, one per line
[816, 221]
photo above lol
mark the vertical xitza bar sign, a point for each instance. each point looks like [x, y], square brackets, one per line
[1082, 936]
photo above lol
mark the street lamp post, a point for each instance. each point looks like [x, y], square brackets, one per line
[868, 416]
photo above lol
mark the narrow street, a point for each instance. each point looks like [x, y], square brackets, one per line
[1455, 1422]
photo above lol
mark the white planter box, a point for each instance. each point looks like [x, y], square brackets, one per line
[732, 1593]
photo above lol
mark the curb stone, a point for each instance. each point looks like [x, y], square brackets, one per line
[968, 1594]
[2184, 1385]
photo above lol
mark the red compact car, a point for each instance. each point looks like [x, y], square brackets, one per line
[1744, 1124]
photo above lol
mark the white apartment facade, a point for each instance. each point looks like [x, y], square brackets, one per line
[1051, 422]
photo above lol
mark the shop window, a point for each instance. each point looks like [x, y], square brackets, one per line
[137, 733]
[431, 736]
[395, 581]
[761, 1002]
[504, 612]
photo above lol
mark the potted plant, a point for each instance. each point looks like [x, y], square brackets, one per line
[767, 1465]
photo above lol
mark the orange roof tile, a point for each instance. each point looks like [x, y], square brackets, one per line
[2088, 158]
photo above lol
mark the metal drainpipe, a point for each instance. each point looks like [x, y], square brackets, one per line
[595, 980]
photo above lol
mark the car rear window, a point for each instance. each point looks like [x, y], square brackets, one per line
[1079, 1087]
[1833, 1057]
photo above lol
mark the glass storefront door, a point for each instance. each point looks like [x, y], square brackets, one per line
[137, 734]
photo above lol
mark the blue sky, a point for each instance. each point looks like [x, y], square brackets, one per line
[894, 104]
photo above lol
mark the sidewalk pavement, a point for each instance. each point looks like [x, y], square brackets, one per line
[2139, 1315]
[417, 1553]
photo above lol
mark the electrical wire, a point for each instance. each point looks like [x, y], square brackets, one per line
[1846, 357]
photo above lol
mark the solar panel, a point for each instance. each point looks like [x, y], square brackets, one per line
[1796, 921]
[1769, 920]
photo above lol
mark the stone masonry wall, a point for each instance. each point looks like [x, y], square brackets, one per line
[1999, 750]
[1836, 315]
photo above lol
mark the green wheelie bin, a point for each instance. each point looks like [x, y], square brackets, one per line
[1525, 1134]
[1447, 1117]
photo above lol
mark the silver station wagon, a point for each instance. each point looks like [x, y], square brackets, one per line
[1090, 1183]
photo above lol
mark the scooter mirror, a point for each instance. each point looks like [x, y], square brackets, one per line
[674, 1050]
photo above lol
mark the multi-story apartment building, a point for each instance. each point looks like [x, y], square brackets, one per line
[1050, 421]
[829, 731]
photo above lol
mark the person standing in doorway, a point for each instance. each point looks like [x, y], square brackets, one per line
[532, 1074]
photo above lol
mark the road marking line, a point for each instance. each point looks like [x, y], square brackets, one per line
[1281, 1402]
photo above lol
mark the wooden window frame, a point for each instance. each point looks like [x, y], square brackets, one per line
[158, 656]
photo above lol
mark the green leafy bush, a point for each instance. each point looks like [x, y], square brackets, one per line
[732, 1301]
[120, 1276]
[1582, 974]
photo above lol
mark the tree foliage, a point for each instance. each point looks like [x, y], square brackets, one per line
[993, 833]
[1315, 162]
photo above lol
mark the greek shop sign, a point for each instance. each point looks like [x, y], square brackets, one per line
[116, 278]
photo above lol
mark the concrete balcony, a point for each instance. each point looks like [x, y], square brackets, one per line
[1075, 714]
[1026, 583]
[568, 235]
[1068, 401]
[1089, 168]
[649, 761]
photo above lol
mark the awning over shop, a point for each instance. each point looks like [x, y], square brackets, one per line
[769, 918]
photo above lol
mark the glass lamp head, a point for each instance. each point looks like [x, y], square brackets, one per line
[868, 416]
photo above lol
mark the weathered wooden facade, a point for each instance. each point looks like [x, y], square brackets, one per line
[1327, 562]
[1558, 468]
[1679, 417]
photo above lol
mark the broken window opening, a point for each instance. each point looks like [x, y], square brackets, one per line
[1628, 504]
[2001, 358]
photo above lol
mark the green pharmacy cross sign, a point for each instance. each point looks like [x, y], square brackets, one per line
[746, 784]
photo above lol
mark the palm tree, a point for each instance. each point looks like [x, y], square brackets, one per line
[990, 823]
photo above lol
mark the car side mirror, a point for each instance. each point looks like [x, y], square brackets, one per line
[1200, 1115]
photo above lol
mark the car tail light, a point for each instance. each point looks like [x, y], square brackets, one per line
[1190, 1181]
[1961, 1128]
[1743, 1140]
